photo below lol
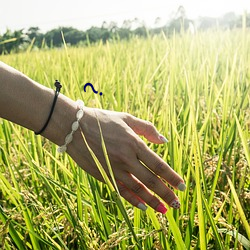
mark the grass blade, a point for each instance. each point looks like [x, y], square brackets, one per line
[239, 207]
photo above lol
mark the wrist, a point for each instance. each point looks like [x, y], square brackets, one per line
[57, 91]
[61, 121]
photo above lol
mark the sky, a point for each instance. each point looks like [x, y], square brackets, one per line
[82, 14]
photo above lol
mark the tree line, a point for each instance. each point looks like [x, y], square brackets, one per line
[20, 40]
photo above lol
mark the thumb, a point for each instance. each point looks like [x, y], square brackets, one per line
[146, 129]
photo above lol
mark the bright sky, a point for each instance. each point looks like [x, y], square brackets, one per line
[82, 14]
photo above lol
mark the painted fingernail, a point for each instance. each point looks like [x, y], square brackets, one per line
[161, 208]
[181, 186]
[163, 138]
[175, 204]
[142, 206]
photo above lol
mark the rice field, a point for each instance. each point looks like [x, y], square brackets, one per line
[195, 89]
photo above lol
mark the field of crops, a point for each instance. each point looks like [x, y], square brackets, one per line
[195, 89]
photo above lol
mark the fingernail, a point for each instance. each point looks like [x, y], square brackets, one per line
[163, 138]
[175, 204]
[181, 186]
[161, 208]
[142, 206]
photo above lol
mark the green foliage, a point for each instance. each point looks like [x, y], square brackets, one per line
[13, 41]
[195, 89]
[71, 35]
[20, 40]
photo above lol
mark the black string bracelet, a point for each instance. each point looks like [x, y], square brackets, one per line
[58, 87]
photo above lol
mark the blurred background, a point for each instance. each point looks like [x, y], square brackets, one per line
[82, 22]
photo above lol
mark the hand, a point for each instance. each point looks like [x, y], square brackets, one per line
[136, 168]
[128, 155]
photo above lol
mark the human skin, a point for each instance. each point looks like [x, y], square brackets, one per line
[28, 103]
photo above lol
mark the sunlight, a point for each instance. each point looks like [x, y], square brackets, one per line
[82, 15]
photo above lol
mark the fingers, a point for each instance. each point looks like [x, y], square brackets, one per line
[160, 167]
[154, 183]
[133, 199]
[146, 129]
[148, 157]
[139, 185]
[137, 194]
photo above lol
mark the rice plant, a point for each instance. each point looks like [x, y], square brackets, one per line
[195, 89]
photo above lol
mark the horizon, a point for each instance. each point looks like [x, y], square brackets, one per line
[83, 17]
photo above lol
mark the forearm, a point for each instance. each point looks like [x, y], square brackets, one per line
[28, 103]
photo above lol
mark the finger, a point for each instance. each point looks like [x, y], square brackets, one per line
[152, 182]
[146, 129]
[160, 167]
[136, 193]
[131, 197]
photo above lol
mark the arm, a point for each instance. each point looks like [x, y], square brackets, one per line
[28, 104]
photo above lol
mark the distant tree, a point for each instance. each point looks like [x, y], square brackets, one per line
[54, 37]
[105, 35]
[157, 22]
[13, 41]
[229, 20]
[240, 19]
[207, 23]
[94, 34]
[7, 41]
[141, 31]
[113, 27]
[19, 40]
[248, 19]
[127, 24]
[181, 13]
[178, 25]
[180, 22]
[72, 36]
[136, 23]
[124, 33]
[34, 33]
[104, 25]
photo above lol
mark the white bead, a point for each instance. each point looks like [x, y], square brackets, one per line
[69, 138]
[80, 103]
[75, 126]
[62, 149]
[79, 114]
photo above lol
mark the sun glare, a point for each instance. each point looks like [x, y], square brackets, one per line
[83, 15]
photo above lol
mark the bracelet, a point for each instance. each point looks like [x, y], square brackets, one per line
[58, 87]
[74, 127]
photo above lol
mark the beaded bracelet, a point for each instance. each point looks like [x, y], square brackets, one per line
[74, 127]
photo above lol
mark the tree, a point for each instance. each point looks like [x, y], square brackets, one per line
[71, 35]
[34, 33]
[157, 22]
[180, 22]
[127, 24]
[113, 26]
[229, 20]
[13, 41]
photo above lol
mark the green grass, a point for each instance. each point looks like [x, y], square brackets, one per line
[195, 89]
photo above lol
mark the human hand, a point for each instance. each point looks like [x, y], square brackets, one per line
[137, 169]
